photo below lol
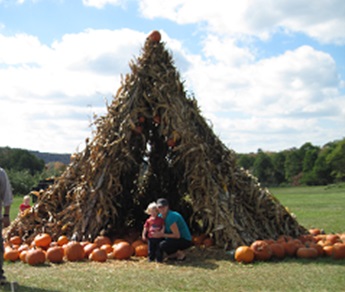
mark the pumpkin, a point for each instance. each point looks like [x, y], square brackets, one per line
[314, 231]
[98, 255]
[16, 240]
[11, 254]
[118, 240]
[142, 250]
[333, 238]
[198, 239]
[307, 252]
[154, 36]
[122, 250]
[137, 243]
[262, 250]
[24, 246]
[55, 254]
[74, 251]
[89, 248]
[290, 248]
[35, 257]
[107, 247]
[244, 254]
[101, 240]
[278, 250]
[208, 242]
[338, 251]
[62, 240]
[22, 255]
[42, 240]
[328, 250]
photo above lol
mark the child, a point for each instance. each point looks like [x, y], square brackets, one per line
[26, 204]
[152, 225]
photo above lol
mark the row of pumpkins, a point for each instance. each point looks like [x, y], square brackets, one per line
[43, 249]
[311, 246]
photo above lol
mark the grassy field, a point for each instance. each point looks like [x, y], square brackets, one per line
[211, 269]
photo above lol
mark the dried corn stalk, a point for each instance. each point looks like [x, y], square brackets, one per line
[153, 142]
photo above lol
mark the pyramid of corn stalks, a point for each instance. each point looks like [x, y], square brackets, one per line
[153, 142]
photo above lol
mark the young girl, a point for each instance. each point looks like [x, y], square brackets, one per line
[26, 204]
[153, 224]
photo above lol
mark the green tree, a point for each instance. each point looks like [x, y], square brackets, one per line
[263, 168]
[336, 160]
[278, 160]
[293, 164]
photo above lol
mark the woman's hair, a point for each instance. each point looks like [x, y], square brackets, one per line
[151, 206]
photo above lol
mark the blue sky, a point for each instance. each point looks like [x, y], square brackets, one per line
[266, 74]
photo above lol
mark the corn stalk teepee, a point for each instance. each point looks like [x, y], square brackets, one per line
[153, 142]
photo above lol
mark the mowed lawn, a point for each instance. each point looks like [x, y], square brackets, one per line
[208, 269]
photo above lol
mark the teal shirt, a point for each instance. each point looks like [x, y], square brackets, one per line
[175, 217]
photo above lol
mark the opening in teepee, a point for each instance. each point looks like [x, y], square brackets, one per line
[153, 142]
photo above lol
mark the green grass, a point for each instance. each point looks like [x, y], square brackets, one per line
[208, 270]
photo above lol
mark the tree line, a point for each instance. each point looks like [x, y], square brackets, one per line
[25, 169]
[307, 165]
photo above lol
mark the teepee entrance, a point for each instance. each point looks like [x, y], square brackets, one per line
[153, 142]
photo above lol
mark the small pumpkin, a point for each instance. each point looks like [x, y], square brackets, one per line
[333, 238]
[208, 242]
[101, 240]
[35, 257]
[11, 254]
[154, 36]
[42, 240]
[55, 254]
[122, 250]
[62, 240]
[244, 254]
[262, 250]
[307, 252]
[16, 240]
[278, 250]
[89, 248]
[74, 251]
[328, 250]
[142, 250]
[98, 255]
[137, 243]
[107, 247]
[22, 255]
[338, 251]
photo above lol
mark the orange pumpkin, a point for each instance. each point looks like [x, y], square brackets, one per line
[278, 250]
[22, 255]
[314, 231]
[16, 240]
[62, 240]
[122, 250]
[89, 248]
[35, 257]
[137, 243]
[244, 254]
[208, 242]
[198, 239]
[333, 238]
[11, 254]
[262, 250]
[142, 250]
[338, 251]
[107, 247]
[98, 255]
[42, 240]
[307, 252]
[74, 251]
[154, 36]
[100, 240]
[328, 250]
[55, 254]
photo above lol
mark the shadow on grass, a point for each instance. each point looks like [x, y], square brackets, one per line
[22, 288]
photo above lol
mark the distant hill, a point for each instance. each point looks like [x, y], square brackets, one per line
[52, 157]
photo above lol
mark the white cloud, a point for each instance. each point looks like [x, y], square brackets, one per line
[65, 83]
[101, 3]
[320, 20]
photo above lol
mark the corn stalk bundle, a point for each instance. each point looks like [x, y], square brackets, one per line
[153, 142]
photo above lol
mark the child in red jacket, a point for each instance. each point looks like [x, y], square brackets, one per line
[152, 225]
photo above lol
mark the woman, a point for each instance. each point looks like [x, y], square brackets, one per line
[176, 235]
